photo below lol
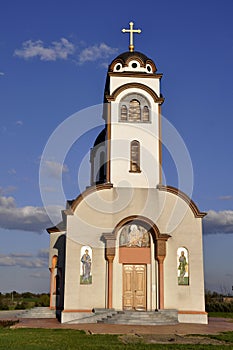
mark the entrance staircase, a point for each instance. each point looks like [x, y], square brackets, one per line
[161, 317]
[38, 312]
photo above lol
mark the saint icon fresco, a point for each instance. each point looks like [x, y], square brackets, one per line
[86, 262]
[182, 262]
[134, 236]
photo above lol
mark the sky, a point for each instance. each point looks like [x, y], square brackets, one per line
[53, 62]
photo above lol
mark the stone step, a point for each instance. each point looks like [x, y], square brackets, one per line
[38, 312]
[95, 317]
[142, 317]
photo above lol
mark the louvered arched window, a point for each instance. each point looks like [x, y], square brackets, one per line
[145, 114]
[134, 111]
[135, 156]
[123, 113]
[134, 108]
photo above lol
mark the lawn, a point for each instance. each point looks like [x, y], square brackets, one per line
[57, 339]
[221, 314]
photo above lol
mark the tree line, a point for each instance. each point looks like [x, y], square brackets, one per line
[20, 301]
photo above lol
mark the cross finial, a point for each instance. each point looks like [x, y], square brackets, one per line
[131, 31]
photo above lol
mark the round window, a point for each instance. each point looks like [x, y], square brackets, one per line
[118, 67]
[149, 68]
[134, 65]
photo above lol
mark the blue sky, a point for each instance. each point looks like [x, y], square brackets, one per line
[53, 63]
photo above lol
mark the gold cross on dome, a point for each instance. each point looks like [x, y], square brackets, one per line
[131, 31]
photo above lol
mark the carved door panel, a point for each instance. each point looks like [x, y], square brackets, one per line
[140, 287]
[128, 291]
[134, 287]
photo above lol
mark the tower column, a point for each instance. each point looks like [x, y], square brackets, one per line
[110, 280]
[161, 282]
[160, 256]
[110, 243]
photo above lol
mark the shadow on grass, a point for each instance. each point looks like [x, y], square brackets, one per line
[66, 339]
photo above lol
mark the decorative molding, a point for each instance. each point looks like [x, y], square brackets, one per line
[110, 246]
[149, 225]
[143, 61]
[183, 196]
[160, 143]
[136, 74]
[124, 87]
[57, 229]
[160, 249]
[78, 310]
[88, 191]
[185, 312]
[108, 173]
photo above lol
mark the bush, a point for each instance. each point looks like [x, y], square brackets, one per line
[8, 323]
[3, 306]
[44, 300]
[218, 306]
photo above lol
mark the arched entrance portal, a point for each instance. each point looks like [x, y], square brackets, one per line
[139, 243]
[134, 255]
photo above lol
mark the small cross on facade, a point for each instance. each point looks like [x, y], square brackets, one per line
[131, 31]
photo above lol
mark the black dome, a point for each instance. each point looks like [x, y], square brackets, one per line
[126, 55]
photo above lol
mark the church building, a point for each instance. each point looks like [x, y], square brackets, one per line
[120, 247]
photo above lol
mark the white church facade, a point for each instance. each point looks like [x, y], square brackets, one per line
[120, 246]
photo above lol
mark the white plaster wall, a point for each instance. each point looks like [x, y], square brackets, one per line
[153, 83]
[189, 297]
[122, 133]
[78, 296]
[100, 212]
[193, 318]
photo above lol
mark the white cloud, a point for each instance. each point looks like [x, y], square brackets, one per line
[43, 253]
[39, 275]
[21, 255]
[1, 73]
[22, 261]
[93, 53]
[57, 50]
[64, 49]
[12, 171]
[7, 190]
[28, 218]
[218, 222]
[226, 198]
[27, 260]
[55, 169]
[19, 123]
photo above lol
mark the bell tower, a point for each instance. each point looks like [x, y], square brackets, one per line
[132, 139]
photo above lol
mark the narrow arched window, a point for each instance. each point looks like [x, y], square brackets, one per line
[145, 114]
[135, 156]
[123, 113]
[101, 172]
[134, 111]
[54, 261]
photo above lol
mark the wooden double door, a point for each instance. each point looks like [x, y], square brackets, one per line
[134, 287]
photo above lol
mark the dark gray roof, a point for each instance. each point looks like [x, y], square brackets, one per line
[125, 55]
[100, 138]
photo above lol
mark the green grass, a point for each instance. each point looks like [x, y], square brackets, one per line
[60, 339]
[221, 314]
